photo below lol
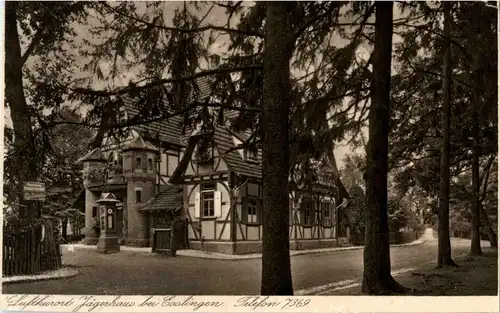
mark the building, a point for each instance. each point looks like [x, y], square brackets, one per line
[161, 172]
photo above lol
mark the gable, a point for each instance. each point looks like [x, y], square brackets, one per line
[225, 143]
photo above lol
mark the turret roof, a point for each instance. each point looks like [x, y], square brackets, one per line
[140, 144]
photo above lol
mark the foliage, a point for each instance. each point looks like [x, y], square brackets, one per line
[401, 216]
[355, 210]
[417, 87]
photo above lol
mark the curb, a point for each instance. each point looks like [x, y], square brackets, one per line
[94, 247]
[232, 257]
[61, 273]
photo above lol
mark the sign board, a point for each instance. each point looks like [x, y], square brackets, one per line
[34, 191]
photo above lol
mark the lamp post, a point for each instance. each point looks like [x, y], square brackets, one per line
[108, 239]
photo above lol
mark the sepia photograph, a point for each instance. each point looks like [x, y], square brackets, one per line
[250, 149]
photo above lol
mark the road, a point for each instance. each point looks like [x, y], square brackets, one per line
[140, 273]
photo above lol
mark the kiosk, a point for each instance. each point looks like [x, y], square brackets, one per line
[108, 239]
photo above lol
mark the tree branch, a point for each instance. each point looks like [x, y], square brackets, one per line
[124, 90]
[304, 26]
[137, 121]
[186, 30]
[34, 42]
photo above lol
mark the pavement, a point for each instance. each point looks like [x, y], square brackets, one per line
[60, 273]
[138, 273]
[474, 276]
[223, 256]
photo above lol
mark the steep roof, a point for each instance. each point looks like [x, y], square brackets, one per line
[168, 129]
[168, 199]
[224, 142]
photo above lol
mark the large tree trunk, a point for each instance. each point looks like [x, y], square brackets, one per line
[24, 143]
[377, 277]
[276, 271]
[484, 216]
[444, 244]
[475, 247]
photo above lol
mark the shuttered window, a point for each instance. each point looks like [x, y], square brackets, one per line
[208, 202]
[252, 210]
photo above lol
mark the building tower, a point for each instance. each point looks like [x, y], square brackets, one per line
[139, 168]
[94, 165]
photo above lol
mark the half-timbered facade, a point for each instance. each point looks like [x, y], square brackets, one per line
[224, 199]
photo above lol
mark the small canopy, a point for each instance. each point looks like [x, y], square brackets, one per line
[107, 197]
[168, 199]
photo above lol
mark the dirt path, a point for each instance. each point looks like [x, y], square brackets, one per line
[475, 276]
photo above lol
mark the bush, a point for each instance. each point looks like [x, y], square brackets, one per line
[354, 213]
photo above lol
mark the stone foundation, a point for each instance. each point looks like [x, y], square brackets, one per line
[212, 246]
[248, 247]
[313, 244]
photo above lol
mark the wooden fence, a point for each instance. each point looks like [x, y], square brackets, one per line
[31, 250]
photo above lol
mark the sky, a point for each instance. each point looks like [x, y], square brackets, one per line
[216, 16]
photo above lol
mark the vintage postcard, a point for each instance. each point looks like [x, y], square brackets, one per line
[250, 156]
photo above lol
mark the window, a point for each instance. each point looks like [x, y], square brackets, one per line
[138, 196]
[325, 208]
[208, 203]
[94, 211]
[150, 164]
[207, 200]
[308, 213]
[138, 164]
[307, 216]
[253, 206]
[252, 155]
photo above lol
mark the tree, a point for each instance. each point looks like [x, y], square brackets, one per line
[352, 176]
[61, 171]
[377, 277]
[276, 270]
[444, 245]
[419, 84]
[46, 27]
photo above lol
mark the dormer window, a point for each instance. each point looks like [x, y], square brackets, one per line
[138, 164]
[122, 117]
[252, 155]
[204, 153]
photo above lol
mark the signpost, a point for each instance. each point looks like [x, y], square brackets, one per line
[33, 191]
